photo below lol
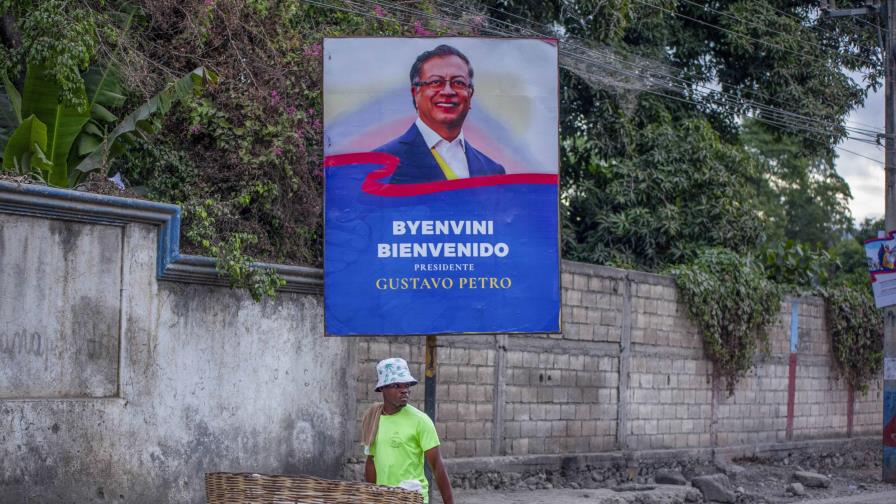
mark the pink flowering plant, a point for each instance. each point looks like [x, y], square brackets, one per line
[245, 159]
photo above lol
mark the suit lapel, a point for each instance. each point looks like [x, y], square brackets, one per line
[474, 163]
[419, 159]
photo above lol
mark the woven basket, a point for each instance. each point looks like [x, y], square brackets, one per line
[244, 488]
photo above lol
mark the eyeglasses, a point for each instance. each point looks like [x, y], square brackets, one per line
[438, 84]
[397, 386]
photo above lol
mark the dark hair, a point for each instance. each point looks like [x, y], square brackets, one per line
[442, 50]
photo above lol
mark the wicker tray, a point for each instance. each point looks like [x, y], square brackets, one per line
[245, 488]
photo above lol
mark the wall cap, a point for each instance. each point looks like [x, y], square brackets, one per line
[79, 206]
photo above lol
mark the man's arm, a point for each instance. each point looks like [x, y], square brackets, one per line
[434, 458]
[369, 470]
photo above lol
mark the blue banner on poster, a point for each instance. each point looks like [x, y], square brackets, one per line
[476, 255]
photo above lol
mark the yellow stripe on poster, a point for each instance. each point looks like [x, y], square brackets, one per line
[449, 173]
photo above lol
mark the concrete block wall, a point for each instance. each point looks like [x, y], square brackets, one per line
[757, 411]
[156, 382]
[867, 412]
[821, 405]
[115, 386]
[627, 373]
[670, 402]
[558, 402]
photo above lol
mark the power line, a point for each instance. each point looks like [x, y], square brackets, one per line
[729, 98]
[651, 70]
[747, 37]
[785, 122]
[766, 28]
[783, 118]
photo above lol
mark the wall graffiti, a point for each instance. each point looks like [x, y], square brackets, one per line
[21, 343]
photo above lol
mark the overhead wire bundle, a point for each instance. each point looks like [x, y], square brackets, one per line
[617, 70]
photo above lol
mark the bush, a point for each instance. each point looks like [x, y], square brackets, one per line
[732, 302]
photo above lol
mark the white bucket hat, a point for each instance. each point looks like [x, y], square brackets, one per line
[393, 370]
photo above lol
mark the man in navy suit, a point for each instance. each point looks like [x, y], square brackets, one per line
[434, 148]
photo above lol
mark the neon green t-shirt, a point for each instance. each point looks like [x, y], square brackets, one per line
[397, 451]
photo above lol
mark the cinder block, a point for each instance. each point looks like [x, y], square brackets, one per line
[568, 411]
[513, 429]
[447, 373]
[479, 357]
[466, 411]
[558, 428]
[465, 448]
[485, 375]
[552, 412]
[580, 282]
[378, 350]
[455, 430]
[475, 430]
[537, 411]
[566, 279]
[536, 445]
[529, 395]
[466, 374]
[477, 393]
[446, 411]
[560, 394]
[457, 392]
[483, 447]
[528, 429]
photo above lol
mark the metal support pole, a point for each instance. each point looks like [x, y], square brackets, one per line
[429, 404]
[429, 390]
[889, 444]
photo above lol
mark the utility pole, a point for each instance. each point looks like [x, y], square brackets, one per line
[887, 13]
[889, 443]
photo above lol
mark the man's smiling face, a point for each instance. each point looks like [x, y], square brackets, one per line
[445, 109]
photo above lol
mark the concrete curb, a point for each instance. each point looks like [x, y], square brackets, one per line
[633, 458]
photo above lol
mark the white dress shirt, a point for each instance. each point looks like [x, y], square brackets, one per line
[453, 153]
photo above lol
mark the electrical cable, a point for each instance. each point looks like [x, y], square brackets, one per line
[872, 133]
[747, 37]
[760, 25]
[785, 123]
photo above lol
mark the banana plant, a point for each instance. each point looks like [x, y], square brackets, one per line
[61, 144]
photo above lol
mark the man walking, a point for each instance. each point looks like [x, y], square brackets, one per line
[397, 437]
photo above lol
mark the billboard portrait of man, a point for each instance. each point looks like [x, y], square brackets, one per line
[434, 148]
[441, 215]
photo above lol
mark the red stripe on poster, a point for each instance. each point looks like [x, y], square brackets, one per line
[374, 184]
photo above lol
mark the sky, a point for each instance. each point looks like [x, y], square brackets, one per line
[865, 177]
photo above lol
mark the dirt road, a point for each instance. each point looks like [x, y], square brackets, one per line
[752, 483]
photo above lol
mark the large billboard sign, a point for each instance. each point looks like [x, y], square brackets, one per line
[441, 186]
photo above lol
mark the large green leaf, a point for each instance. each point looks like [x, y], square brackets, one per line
[15, 100]
[161, 103]
[26, 146]
[103, 86]
[41, 98]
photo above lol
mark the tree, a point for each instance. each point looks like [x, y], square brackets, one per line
[728, 61]
[803, 196]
